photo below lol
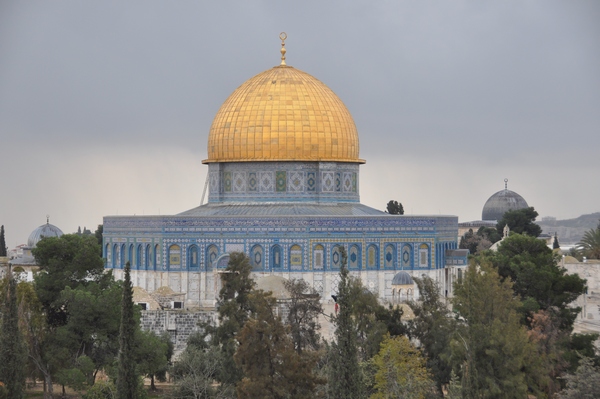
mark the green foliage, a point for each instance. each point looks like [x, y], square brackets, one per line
[344, 372]
[490, 347]
[101, 390]
[2, 242]
[233, 308]
[304, 309]
[520, 221]
[585, 383]
[394, 208]
[589, 246]
[266, 354]
[433, 326]
[400, 371]
[13, 356]
[98, 235]
[67, 261]
[128, 377]
[153, 353]
[480, 241]
[555, 243]
[537, 278]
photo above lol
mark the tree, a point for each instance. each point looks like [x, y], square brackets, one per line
[433, 325]
[304, 309]
[2, 242]
[233, 308]
[400, 371]
[127, 378]
[520, 221]
[589, 245]
[344, 371]
[537, 278]
[555, 243]
[98, 235]
[584, 384]
[490, 345]
[266, 354]
[153, 354]
[13, 355]
[395, 208]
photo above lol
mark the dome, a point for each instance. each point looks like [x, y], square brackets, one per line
[402, 278]
[274, 284]
[500, 203]
[283, 114]
[45, 230]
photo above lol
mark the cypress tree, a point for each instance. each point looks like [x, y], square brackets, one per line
[344, 372]
[127, 379]
[12, 349]
[2, 242]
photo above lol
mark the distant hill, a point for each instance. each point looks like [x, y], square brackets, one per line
[570, 231]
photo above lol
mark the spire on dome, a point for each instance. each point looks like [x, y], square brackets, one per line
[506, 184]
[283, 36]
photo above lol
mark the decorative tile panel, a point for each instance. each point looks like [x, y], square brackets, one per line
[295, 181]
[338, 182]
[239, 182]
[252, 182]
[227, 181]
[280, 181]
[311, 181]
[327, 182]
[266, 182]
[347, 182]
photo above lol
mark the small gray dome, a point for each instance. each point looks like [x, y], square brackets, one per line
[45, 230]
[402, 278]
[500, 203]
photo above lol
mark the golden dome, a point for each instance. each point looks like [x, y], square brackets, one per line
[283, 114]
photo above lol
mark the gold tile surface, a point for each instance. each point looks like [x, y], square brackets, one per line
[283, 114]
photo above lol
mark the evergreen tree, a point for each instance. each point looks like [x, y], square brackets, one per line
[2, 242]
[13, 357]
[555, 244]
[127, 378]
[520, 221]
[344, 372]
[394, 208]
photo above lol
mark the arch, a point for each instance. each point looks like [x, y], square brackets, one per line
[372, 257]
[115, 256]
[336, 257]
[276, 257]
[389, 256]
[423, 255]
[107, 252]
[354, 258]
[212, 252]
[192, 257]
[257, 257]
[122, 256]
[174, 257]
[138, 257]
[407, 256]
[318, 257]
[222, 261]
[147, 257]
[295, 257]
[130, 256]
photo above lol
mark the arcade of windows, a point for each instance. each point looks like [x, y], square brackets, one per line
[395, 255]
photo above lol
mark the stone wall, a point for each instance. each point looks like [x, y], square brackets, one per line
[180, 324]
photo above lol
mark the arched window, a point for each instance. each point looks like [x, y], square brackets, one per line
[115, 255]
[354, 257]
[372, 257]
[318, 257]
[407, 257]
[130, 256]
[296, 257]
[138, 260]
[147, 257]
[336, 257]
[107, 252]
[192, 257]
[423, 255]
[256, 257]
[211, 256]
[174, 257]
[276, 257]
[122, 255]
[389, 256]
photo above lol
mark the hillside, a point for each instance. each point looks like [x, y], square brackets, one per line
[570, 231]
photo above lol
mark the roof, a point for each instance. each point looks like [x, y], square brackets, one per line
[282, 209]
[402, 278]
[500, 203]
[45, 230]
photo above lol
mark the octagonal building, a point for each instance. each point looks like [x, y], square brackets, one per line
[283, 171]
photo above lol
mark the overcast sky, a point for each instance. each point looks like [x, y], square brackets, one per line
[105, 107]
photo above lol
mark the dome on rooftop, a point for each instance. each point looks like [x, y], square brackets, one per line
[501, 202]
[283, 114]
[45, 230]
[402, 278]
